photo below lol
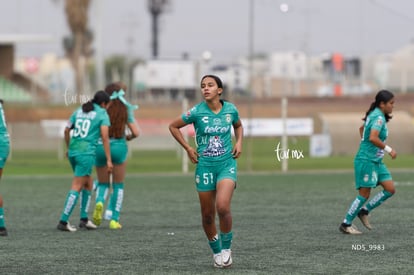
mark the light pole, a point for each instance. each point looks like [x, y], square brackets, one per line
[284, 8]
[250, 69]
[156, 8]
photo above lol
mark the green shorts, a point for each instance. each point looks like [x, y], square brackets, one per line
[369, 174]
[82, 164]
[4, 154]
[119, 152]
[206, 177]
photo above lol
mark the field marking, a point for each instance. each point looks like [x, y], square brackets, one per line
[403, 183]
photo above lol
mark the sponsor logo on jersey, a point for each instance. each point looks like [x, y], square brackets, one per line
[216, 129]
[215, 147]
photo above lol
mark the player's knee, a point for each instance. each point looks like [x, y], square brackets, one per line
[223, 211]
[208, 218]
[391, 190]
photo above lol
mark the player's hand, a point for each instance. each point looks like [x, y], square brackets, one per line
[192, 154]
[237, 150]
[393, 154]
[110, 166]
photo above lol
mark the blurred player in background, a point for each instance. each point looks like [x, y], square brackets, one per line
[370, 171]
[216, 171]
[4, 153]
[121, 115]
[89, 123]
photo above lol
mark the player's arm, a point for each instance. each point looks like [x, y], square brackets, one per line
[374, 139]
[174, 128]
[105, 141]
[238, 134]
[66, 134]
[134, 132]
[361, 130]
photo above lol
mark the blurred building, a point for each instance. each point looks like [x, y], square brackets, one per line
[18, 86]
[289, 73]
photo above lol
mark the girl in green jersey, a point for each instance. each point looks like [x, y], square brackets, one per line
[121, 115]
[370, 171]
[215, 156]
[4, 153]
[88, 123]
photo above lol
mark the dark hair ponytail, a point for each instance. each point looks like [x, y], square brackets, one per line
[99, 98]
[382, 96]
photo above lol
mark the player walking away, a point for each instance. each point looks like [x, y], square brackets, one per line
[370, 171]
[4, 153]
[216, 171]
[89, 122]
[121, 115]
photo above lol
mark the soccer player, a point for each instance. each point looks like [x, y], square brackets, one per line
[121, 115]
[4, 153]
[370, 171]
[216, 171]
[89, 123]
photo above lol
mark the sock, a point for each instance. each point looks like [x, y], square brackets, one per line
[117, 198]
[102, 192]
[215, 244]
[85, 199]
[354, 209]
[2, 224]
[70, 203]
[226, 239]
[377, 200]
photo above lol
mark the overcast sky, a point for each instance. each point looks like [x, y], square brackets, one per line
[352, 27]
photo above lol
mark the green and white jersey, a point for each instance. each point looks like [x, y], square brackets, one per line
[86, 130]
[212, 131]
[131, 117]
[4, 134]
[368, 151]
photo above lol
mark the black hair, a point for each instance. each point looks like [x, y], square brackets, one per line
[382, 96]
[216, 78]
[99, 98]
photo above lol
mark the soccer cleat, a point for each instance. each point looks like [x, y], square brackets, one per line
[113, 224]
[66, 227]
[349, 229]
[226, 257]
[218, 260]
[3, 232]
[363, 216]
[97, 213]
[87, 225]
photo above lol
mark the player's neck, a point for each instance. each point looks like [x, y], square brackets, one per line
[215, 106]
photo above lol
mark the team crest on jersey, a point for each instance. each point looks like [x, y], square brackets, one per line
[215, 147]
[228, 118]
[379, 121]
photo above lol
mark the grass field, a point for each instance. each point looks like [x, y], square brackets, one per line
[283, 224]
[260, 153]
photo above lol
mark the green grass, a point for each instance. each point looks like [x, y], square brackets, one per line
[283, 224]
[259, 152]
